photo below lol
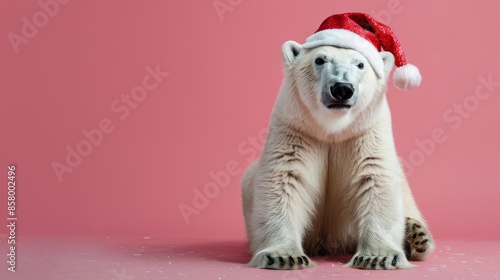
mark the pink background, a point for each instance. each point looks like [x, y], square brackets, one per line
[224, 70]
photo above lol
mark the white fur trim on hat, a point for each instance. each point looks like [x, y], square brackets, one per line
[346, 39]
[406, 77]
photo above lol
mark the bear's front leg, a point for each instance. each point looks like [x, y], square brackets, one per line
[380, 221]
[418, 241]
[286, 188]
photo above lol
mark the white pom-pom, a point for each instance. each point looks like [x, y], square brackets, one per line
[407, 77]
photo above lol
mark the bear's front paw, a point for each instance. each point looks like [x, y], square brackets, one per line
[280, 260]
[418, 242]
[393, 260]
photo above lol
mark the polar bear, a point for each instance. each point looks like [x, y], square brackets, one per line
[329, 180]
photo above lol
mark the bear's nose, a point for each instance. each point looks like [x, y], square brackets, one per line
[342, 91]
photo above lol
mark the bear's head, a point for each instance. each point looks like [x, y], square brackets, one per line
[336, 85]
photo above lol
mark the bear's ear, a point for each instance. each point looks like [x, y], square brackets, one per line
[388, 59]
[290, 50]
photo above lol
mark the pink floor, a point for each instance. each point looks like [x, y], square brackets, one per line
[156, 258]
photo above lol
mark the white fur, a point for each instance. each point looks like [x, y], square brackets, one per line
[328, 179]
[343, 38]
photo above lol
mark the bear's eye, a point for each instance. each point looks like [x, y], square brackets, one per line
[319, 61]
[361, 65]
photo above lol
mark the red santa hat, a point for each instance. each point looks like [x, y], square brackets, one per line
[367, 36]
